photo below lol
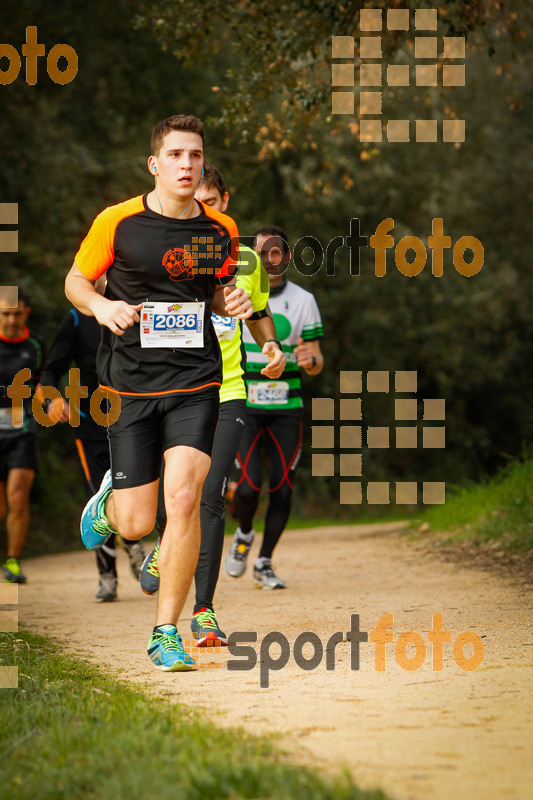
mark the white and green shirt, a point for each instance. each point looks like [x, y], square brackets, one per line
[296, 314]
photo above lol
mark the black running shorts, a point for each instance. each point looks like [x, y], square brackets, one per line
[147, 427]
[17, 452]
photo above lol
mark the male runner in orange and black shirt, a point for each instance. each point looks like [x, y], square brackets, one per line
[163, 254]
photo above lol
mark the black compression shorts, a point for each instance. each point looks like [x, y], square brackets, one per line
[147, 427]
[17, 452]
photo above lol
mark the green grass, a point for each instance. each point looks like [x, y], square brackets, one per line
[70, 732]
[499, 508]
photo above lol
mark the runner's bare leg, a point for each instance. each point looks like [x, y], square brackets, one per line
[132, 511]
[19, 482]
[185, 471]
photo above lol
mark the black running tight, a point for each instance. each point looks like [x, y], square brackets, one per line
[282, 436]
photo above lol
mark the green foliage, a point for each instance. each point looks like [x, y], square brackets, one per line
[499, 509]
[69, 732]
[68, 151]
[285, 49]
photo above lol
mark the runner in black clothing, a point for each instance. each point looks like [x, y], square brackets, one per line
[77, 340]
[19, 349]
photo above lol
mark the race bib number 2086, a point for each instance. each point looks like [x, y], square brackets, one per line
[172, 325]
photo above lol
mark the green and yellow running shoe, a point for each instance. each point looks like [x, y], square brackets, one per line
[166, 650]
[13, 572]
[204, 627]
[149, 578]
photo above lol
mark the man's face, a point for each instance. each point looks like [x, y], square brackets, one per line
[179, 163]
[210, 196]
[13, 320]
[274, 259]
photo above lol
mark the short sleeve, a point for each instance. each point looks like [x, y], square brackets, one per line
[252, 277]
[312, 326]
[229, 243]
[96, 253]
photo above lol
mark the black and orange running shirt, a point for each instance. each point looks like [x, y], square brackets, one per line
[152, 258]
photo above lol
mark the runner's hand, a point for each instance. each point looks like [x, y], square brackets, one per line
[238, 303]
[117, 315]
[304, 356]
[57, 409]
[277, 360]
[65, 411]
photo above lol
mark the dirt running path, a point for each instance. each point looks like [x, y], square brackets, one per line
[423, 734]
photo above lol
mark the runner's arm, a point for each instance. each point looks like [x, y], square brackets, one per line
[57, 362]
[117, 315]
[231, 301]
[309, 356]
[61, 352]
[263, 330]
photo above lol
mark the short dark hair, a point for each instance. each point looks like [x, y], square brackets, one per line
[23, 297]
[213, 177]
[273, 230]
[178, 122]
